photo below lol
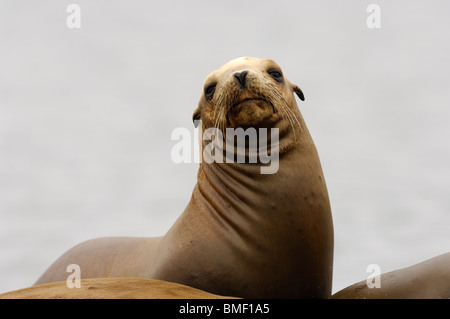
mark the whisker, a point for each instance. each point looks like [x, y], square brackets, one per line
[288, 113]
[289, 117]
[296, 119]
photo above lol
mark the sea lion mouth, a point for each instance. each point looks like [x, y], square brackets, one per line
[249, 111]
[247, 100]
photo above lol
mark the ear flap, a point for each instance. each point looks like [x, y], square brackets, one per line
[298, 92]
[196, 117]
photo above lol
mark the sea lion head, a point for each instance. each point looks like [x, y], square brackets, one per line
[248, 92]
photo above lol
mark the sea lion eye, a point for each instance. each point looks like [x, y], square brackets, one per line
[209, 91]
[276, 75]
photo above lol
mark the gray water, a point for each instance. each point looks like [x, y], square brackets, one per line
[86, 117]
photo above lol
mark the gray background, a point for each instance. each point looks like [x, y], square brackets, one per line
[86, 117]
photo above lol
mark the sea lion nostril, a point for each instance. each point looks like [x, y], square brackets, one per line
[240, 77]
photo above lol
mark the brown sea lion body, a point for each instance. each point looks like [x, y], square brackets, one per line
[112, 288]
[243, 233]
[429, 279]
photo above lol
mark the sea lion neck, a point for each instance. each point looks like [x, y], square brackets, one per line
[244, 189]
[261, 222]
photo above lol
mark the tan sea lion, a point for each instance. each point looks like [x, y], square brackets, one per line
[429, 279]
[111, 288]
[244, 233]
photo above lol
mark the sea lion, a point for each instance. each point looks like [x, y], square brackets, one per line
[244, 233]
[429, 279]
[112, 288]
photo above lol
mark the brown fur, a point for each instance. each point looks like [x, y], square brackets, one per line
[429, 279]
[243, 233]
[111, 288]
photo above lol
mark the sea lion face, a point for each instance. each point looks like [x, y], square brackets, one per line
[246, 92]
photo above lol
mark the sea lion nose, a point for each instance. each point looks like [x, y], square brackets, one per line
[240, 77]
